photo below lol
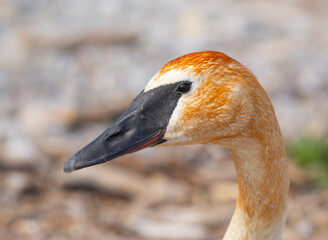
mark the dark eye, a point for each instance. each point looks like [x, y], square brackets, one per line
[184, 87]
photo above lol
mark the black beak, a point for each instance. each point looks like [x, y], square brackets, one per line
[142, 125]
[128, 134]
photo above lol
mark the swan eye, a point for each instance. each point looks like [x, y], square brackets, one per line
[184, 87]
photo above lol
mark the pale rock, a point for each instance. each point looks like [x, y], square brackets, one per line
[38, 118]
[152, 228]
[17, 148]
[224, 191]
[110, 179]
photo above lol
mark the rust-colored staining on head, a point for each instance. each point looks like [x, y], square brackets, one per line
[193, 66]
[214, 105]
[199, 61]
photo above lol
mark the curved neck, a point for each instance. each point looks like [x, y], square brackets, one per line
[263, 185]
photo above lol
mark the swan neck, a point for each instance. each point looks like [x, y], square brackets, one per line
[263, 184]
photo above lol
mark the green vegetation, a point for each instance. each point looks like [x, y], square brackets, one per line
[312, 154]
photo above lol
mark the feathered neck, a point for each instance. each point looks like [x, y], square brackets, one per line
[263, 184]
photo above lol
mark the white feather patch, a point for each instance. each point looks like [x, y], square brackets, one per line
[170, 77]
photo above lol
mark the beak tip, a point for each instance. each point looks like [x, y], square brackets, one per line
[68, 166]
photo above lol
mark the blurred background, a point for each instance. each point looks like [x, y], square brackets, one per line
[68, 68]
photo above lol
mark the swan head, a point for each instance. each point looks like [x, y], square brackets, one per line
[205, 97]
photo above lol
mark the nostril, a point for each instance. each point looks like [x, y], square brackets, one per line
[114, 135]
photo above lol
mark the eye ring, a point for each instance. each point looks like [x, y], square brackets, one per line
[184, 87]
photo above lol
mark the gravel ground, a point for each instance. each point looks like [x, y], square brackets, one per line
[68, 68]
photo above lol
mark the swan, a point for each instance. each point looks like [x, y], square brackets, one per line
[209, 98]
